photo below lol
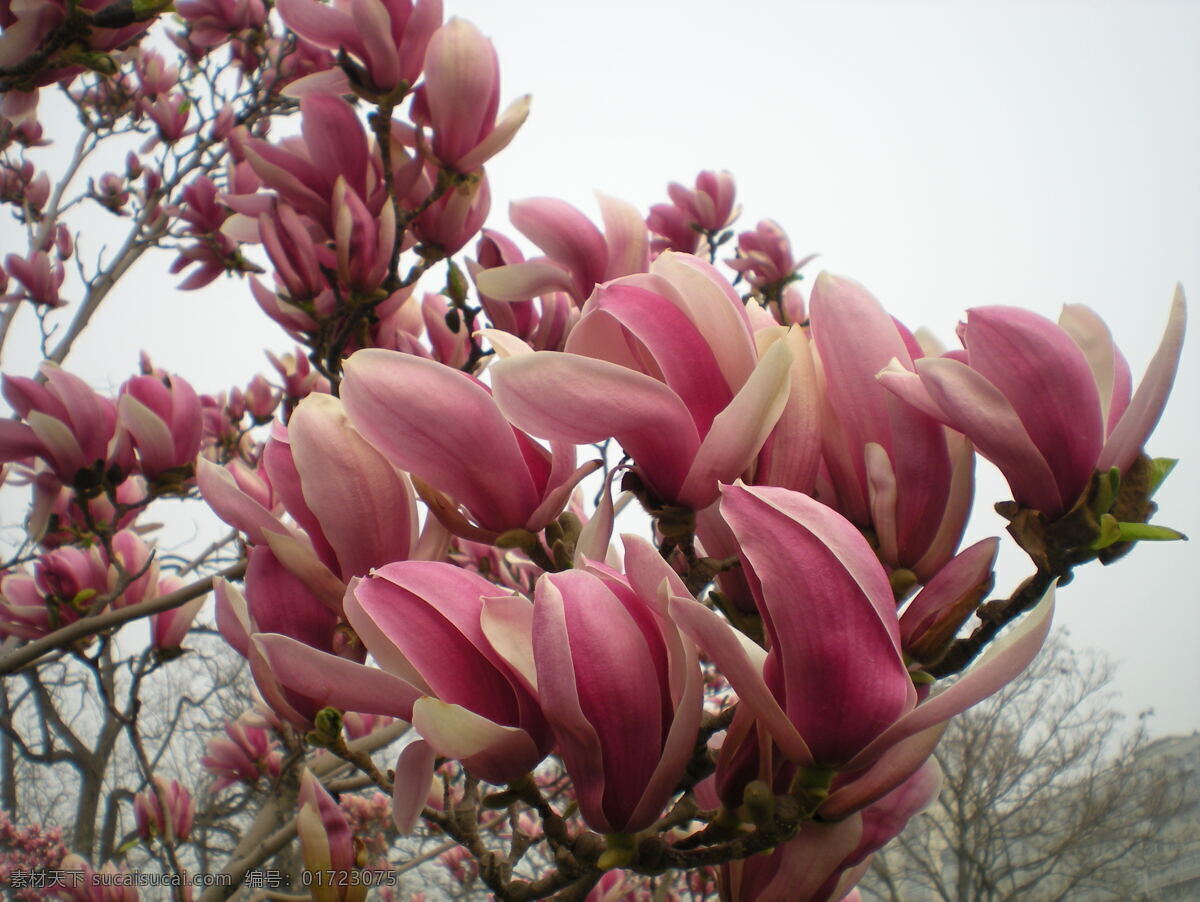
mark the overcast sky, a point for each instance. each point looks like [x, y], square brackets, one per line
[946, 155]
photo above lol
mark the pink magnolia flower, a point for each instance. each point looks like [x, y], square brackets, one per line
[399, 403]
[578, 255]
[164, 805]
[352, 511]
[457, 664]
[67, 425]
[667, 365]
[64, 585]
[163, 417]
[456, 217]
[1049, 404]
[891, 468]
[673, 230]
[459, 98]
[620, 686]
[214, 251]
[833, 691]
[40, 278]
[171, 114]
[327, 843]
[299, 378]
[709, 207]
[304, 170]
[386, 38]
[213, 22]
[109, 884]
[248, 753]
[155, 75]
[765, 257]
[711, 204]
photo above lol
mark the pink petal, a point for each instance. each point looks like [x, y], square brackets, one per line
[740, 429]
[374, 27]
[741, 661]
[500, 137]
[337, 682]
[625, 235]
[521, 281]
[155, 446]
[578, 740]
[978, 409]
[366, 509]
[398, 402]
[676, 350]
[335, 138]
[565, 397]
[791, 455]
[221, 492]
[1140, 418]
[714, 306]
[491, 752]
[566, 236]
[412, 784]
[615, 687]
[896, 765]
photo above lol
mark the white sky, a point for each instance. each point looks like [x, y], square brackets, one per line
[945, 154]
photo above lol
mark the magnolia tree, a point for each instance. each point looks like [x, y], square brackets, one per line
[422, 580]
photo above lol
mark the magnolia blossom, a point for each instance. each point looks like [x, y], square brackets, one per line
[66, 424]
[667, 365]
[620, 686]
[457, 663]
[833, 691]
[328, 844]
[1049, 404]
[892, 468]
[387, 38]
[164, 807]
[246, 753]
[164, 419]
[459, 98]
[65, 584]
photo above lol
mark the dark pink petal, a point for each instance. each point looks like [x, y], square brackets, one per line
[565, 397]
[828, 609]
[365, 508]
[398, 402]
[332, 681]
[672, 348]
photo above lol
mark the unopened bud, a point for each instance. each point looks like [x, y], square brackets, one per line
[758, 803]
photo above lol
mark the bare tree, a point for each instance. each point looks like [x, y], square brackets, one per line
[1046, 797]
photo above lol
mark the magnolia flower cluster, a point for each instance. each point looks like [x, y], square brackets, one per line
[803, 453]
